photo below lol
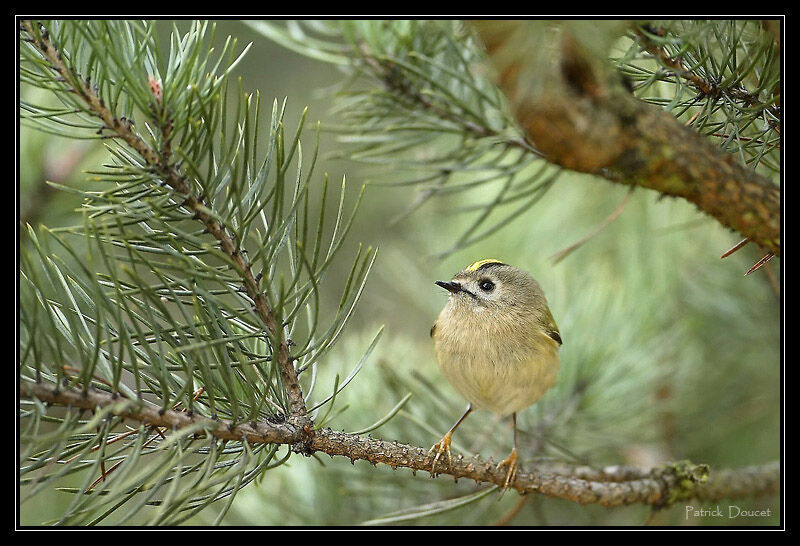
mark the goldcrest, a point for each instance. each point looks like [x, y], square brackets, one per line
[497, 343]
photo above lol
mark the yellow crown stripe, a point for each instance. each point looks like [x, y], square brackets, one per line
[475, 266]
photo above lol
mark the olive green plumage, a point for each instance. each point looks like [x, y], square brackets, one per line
[496, 340]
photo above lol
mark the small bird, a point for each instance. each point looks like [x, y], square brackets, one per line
[497, 344]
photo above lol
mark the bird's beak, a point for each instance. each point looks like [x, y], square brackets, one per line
[452, 287]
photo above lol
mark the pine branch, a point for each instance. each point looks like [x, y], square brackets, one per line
[612, 486]
[287, 432]
[394, 81]
[159, 162]
[580, 116]
[420, 92]
[703, 85]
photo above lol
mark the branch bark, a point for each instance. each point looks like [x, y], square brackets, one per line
[577, 112]
[159, 161]
[608, 486]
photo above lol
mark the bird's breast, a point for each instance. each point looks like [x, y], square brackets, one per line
[504, 368]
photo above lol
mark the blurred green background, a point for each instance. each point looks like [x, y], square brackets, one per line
[669, 352]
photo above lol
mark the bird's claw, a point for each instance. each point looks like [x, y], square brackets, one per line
[511, 463]
[441, 447]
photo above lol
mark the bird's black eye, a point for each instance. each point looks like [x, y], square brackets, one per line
[486, 285]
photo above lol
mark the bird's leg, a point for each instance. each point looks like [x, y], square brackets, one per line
[443, 446]
[511, 460]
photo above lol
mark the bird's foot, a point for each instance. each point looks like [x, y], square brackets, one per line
[441, 448]
[511, 463]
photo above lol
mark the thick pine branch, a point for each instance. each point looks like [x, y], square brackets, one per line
[580, 116]
[610, 486]
[160, 162]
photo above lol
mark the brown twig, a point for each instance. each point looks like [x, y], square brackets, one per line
[560, 255]
[513, 513]
[734, 248]
[288, 432]
[175, 180]
[759, 263]
[675, 64]
[610, 486]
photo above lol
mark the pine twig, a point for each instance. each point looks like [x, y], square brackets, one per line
[610, 486]
[174, 179]
[393, 81]
[703, 85]
[286, 432]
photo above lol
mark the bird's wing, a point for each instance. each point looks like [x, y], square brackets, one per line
[550, 326]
